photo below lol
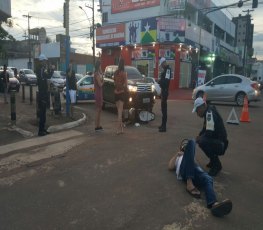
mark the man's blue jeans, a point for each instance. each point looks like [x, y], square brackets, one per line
[190, 169]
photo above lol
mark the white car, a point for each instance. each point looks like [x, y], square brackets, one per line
[57, 80]
[156, 86]
[228, 88]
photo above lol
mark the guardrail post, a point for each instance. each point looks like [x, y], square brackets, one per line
[37, 107]
[13, 106]
[31, 94]
[23, 92]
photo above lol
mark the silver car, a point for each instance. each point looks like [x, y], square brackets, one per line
[27, 76]
[58, 80]
[229, 88]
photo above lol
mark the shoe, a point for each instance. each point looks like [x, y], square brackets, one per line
[45, 131]
[215, 170]
[194, 193]
[98, 129]
[40, 134]
[162, 130]
[161, 126]
[209, 165]
[220, 209]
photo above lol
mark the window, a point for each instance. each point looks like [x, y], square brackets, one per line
[233, 80]
[219, 80]
[105, 17]
[87, 81]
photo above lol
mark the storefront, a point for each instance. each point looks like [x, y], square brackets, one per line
[142, 43]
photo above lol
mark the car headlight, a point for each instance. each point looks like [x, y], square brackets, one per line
[132, 88]
[153, 88]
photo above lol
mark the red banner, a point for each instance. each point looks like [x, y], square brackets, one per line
[118, 6]
[110, 34]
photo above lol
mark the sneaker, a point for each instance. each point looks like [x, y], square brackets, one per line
[45, 131]
[209, 165]
[162, 130]
[220, 209]
[98, 129]
[41, 134]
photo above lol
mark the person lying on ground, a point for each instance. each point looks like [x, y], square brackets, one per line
[183, 163]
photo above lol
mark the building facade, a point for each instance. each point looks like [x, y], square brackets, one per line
[190, 39]
[244, 41]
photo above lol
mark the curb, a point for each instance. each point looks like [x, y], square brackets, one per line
[68, 125]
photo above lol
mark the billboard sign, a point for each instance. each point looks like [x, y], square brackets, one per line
[113, 35]
[118, 6]
[171, 29]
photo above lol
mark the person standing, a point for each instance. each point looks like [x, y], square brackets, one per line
[5, 80]
[43, 74]
[120, 87]
[72, 85]
[164, 83]
[212, 139]
[98, 83]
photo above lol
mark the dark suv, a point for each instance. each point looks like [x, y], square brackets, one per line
[140, 94]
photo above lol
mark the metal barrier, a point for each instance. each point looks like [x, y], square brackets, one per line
[13, 106]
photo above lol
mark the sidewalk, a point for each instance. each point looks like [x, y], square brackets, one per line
[26, 124]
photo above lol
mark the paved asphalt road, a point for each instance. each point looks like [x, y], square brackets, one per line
[95, 181]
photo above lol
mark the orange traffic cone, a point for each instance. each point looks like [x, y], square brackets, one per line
[245, 116]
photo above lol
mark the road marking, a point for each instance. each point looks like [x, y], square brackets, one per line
[4, 149]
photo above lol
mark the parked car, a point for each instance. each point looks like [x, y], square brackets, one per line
[27, 76]
[85, 88]
[58, 80]
[229, 88]
[140, 94]
[79, 76]
[13, 82]
[157, 88]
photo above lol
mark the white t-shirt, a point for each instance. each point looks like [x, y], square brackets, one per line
[177, 166]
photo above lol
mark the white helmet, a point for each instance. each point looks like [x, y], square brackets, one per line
[42, 57]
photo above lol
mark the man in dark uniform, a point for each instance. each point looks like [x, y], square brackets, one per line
[5, 82]
[164, 84]
[43, 74]
[213, 137]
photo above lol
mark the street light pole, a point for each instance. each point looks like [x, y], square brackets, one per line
[93, 31]
[29, 65]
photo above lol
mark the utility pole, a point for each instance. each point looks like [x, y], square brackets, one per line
[246, 41]
[92, 32]
[29, 65]
[66, 26]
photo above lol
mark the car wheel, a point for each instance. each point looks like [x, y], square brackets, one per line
[240, 99]
[200, 94]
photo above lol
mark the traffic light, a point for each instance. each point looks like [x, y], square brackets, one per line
[255, 4]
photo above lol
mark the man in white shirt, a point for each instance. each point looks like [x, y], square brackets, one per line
[195, 177]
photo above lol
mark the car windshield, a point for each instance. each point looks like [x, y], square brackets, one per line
[79, 76]
[56, 75]
[133, 73]
[29, 71]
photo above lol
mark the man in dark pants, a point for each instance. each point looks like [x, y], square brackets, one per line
[196, 178]
[164, 84]
[213, 137]
[43, 74]
[5, 82]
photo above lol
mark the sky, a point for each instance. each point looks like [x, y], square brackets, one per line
[49, 14]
